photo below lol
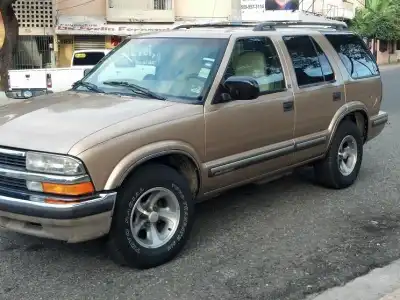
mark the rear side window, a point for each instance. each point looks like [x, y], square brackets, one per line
[87, 58]
[310, 63]
[355, 56]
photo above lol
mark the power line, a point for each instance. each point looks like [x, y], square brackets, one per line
[81, 4]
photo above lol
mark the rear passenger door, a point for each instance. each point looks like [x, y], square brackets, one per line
[318, 91]
[361, 73]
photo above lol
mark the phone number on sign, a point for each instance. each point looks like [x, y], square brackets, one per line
[252, 6]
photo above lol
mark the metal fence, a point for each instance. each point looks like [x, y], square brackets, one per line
[33, 52]
[162, 4]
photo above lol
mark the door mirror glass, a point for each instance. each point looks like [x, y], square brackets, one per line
[242, 87]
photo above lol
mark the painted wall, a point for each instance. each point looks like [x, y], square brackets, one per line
[81, 8]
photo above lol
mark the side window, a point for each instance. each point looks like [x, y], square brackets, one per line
[355, 56]
[310, 63]
[257, 57]
[323, 60]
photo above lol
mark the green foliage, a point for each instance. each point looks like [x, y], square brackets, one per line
[380, 19]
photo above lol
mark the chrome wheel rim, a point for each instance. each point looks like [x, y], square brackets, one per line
[155, 217]
[347, 155]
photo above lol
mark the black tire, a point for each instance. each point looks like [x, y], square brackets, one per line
[327, 171]
[122, 246]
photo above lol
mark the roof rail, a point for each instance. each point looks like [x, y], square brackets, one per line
[215, 25]
[272, 25]
[264, 26]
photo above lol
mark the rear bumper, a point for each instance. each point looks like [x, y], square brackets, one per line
[376, 124]
[26, 93]
[75, 222]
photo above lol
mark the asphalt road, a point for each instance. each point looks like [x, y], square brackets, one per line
[283, 240]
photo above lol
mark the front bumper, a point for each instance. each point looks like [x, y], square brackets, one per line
[74, 222]
[377, 124]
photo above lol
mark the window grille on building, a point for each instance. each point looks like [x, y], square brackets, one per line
[34, 13]
[162, 4]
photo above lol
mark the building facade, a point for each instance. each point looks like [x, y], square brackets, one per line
[90, 24]
[36, 34]
[50, 30]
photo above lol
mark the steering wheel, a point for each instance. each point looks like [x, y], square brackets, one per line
[195, 76]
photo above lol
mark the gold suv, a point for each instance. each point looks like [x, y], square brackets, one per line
[170, 118]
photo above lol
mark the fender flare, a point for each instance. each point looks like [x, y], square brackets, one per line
[341, 113]
[143, 154]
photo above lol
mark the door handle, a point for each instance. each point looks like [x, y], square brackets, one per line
[288, 106]
[336, 96]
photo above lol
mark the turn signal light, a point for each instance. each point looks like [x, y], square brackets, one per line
[68, 189]
[54, 201]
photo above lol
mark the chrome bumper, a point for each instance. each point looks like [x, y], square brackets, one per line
[101, 204]
[74, 222]
[377, 124]
[380, 119]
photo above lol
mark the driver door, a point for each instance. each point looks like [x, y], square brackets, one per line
[248, 138]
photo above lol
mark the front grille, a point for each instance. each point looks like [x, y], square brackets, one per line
[12, 183]
[10, 160]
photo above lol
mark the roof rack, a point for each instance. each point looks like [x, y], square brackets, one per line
[264, 26]
[272, 25]
[215, 25]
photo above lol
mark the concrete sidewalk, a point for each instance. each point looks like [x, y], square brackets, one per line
[393, 296]
[379, 284]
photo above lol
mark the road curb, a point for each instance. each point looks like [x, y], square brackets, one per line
[380, 282]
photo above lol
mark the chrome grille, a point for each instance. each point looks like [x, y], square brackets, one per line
[11, 158]
[12, 183]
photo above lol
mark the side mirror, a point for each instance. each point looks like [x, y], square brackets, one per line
[86, 71]
[242, 87]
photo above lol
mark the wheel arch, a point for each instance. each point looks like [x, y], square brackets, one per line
[184, 161]
[356, 112]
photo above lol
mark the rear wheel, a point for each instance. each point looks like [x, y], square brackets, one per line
[152, 219]
[341, 166]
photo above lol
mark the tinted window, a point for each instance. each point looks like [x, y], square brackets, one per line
[309, 61]
[323, 60]
[357, 59]
[87, 58]
[257, 57]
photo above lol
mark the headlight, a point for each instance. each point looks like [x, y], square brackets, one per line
[53, 164]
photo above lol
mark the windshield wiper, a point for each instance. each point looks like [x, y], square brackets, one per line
[90, 86]
[136, 89]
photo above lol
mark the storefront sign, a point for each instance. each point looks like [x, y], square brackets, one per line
[84, 25]
[109, 29]
[268, 9]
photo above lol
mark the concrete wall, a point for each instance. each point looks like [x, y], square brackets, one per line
[81, 7]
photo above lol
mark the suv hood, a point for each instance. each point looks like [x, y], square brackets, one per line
[59, 121]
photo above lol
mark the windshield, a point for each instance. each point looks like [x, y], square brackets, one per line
[87, 58]
[173, 68]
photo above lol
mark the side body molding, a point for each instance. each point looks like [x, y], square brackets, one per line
[146, 153]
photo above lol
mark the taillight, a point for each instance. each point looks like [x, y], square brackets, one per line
[48, 81]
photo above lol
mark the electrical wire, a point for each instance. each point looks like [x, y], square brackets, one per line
[81, 4]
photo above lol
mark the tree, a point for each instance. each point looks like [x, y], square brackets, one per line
[10, 24]
[380, 19]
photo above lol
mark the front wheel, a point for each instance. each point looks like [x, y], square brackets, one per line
[152, 219]
[341, 166]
